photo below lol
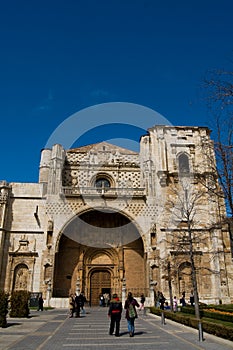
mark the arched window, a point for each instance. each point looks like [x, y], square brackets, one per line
[47, 272]
[183, 163]
[102, 183]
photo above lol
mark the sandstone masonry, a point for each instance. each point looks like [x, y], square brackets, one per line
[104, 219]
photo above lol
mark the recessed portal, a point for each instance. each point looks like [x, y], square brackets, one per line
[99, 269]
[100, 284]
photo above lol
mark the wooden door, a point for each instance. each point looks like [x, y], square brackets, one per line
[100, 281]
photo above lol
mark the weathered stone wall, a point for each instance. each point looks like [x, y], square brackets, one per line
[146, 189]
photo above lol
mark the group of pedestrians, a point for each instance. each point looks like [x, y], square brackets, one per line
[115, 312]
[104, 299]
[115, 308]
[76, 304]
[162, 304]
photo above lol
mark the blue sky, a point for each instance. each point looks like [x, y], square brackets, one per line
[59, 57]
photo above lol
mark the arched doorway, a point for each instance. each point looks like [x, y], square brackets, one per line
[100, 284]
[95, 254]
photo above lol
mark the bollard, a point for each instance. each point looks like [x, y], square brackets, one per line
[162, 318]
[200, 331]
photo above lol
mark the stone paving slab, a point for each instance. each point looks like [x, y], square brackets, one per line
[54, 330]
[19, 328]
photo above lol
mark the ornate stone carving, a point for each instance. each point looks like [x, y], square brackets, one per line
[162, 175]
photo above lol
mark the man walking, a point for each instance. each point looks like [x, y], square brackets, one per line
[114, 313]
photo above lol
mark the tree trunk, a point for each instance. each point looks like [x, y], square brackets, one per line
[194, 283]
[170, 284]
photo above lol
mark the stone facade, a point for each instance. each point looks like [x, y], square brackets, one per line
[104, 219]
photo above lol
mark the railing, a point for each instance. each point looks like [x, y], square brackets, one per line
[104, 191]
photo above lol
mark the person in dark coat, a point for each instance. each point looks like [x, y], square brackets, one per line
[114, 313]
[77, 305]
[142, 302]
[182, 300]
[40, 304]
[82, 301]
[162, 300]
[131, 313]
[191, 298]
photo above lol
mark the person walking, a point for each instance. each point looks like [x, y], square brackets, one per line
[191, 298]
[182, 299]
[71, 304]
[175, 304]
[106, 299]
[114, 313]
[142, 303]
[131, 313]
[77, 305]
[82, 301]
[101, 300]
[162, 300]
[40, 303]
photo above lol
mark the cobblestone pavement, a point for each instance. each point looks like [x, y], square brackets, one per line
[53, 329]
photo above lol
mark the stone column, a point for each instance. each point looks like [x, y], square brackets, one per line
[152, 292]
[121, 262]
[123, 291]
[49, 289]
[77, 290]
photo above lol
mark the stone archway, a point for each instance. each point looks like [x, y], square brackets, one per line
[98, 244]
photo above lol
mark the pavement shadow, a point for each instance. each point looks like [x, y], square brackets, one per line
[135, 334]
[140, 333]
[123, 333]
[13, 324]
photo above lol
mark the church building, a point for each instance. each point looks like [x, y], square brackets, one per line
[104, 219]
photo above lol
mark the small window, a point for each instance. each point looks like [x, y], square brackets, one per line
[183, 163]
[102, 183]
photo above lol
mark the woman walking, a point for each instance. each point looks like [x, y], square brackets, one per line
[131, 313]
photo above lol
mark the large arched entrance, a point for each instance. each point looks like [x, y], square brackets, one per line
[98, 252]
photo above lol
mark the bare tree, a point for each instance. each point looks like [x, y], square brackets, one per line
[190, 227]
[186, 207]
[224, 156]
[168, 275]
[219, 90]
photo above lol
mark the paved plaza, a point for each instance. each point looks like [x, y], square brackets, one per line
[54, 329]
